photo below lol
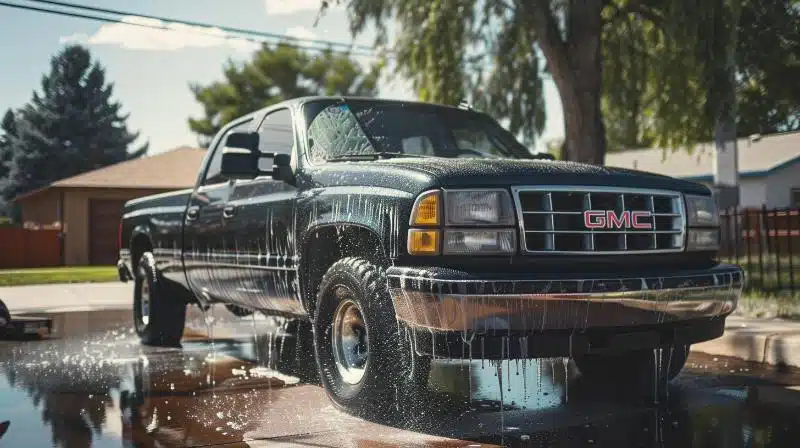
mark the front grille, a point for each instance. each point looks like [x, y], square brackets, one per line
[552, 220]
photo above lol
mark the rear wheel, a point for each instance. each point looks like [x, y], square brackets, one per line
[360, 354]
[158, 318]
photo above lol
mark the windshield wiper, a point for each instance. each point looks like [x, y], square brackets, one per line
[374, 156]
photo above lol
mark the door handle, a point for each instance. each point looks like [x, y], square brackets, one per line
[192, 213]
[229, 212]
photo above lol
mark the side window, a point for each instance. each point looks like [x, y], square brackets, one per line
[795, 197]
[421, 145]
[276, 133]
[214, 171]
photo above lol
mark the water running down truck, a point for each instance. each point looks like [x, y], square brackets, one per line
[395, 232]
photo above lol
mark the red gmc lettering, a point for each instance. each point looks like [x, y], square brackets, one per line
[594, 219]
[608, 219]
[636, 216]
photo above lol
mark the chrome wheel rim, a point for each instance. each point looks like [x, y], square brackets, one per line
[350, 343]
[144, 302]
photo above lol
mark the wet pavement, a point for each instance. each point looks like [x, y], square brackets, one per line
[92, 384]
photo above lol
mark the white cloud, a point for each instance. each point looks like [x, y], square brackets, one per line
[173, 36]
[77, 38]
[301, 32]
[278, 7]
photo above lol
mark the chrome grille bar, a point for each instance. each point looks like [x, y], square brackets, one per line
[551, 220]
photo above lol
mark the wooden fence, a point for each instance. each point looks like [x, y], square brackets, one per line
[29, 248]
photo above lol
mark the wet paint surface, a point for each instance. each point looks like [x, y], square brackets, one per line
[95, 385]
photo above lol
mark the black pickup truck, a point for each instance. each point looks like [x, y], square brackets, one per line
[397, 232]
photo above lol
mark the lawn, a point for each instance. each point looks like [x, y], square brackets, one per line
[40, 276]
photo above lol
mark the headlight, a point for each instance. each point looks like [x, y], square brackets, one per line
[458, 242]
[438, 218]
[478, 207]
[702, 211]
[702, 239]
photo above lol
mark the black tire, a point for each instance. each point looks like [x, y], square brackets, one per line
[638, 368]
[167, 315]
[356, 282]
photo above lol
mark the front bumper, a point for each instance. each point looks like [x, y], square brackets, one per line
[442, 300]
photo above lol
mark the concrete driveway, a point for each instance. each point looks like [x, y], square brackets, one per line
[67, 297]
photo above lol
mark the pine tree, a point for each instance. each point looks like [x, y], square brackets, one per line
[71, 127]
[7, 132]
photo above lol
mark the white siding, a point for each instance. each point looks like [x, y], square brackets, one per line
[779, 185]
[752, 191]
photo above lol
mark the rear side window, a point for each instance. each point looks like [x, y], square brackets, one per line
[275, 134]
[214, 171]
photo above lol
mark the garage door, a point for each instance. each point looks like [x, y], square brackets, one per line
[104, 216]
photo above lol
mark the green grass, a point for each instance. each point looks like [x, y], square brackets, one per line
[765, 278]
[41, 276]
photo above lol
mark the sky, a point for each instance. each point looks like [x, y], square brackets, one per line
[151, 69]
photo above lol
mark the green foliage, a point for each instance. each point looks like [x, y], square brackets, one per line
[273, 75]
[768, 61]
[666, 77]
[455, 50]
[71, 127]
[8, 130]
[667, 65]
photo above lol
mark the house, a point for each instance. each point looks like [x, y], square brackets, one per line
[769, 167]
[87, 207]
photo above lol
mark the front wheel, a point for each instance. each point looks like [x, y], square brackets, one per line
[361, 357]
[158, 318]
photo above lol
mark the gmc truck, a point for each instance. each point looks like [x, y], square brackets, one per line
[397, 232]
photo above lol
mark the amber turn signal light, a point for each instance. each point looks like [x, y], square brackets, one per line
[423, 242]
[426, 209]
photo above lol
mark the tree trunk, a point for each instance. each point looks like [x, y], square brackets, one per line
[584, 132]
[576, 66]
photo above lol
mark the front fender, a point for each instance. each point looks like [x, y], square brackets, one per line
[382, 211]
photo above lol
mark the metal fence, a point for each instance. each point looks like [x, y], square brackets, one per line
[766, 243]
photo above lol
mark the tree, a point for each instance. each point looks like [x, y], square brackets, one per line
[440, 43]
[666, 82]
[8, 128]
[72, 127]
[274, 75]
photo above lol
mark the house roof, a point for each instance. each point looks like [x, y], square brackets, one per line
[169, 170]
[756, 156]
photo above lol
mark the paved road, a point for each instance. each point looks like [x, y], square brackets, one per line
[94, 385]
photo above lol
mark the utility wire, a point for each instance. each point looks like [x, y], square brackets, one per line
[166, 28]
[201, 24]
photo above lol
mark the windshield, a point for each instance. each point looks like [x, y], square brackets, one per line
[352, 129]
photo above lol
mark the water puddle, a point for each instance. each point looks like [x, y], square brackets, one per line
[95, 385]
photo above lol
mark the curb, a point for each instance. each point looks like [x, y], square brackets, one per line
[766, 341]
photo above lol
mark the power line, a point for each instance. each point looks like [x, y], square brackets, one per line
[166, 28]
[205, 25]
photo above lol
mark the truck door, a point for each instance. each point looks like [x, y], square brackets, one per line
[205, 252]
[259, 218]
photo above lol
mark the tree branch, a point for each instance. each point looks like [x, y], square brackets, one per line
[549, 38]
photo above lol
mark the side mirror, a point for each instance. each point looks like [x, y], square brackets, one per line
[238, 163]
[242, 140]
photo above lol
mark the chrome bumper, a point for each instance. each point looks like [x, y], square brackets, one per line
[446, 300]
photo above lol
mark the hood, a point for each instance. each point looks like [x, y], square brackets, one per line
[509, 172]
